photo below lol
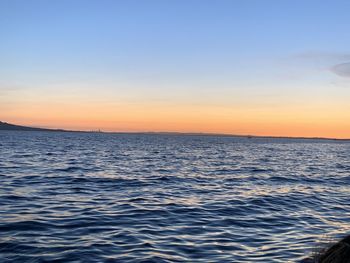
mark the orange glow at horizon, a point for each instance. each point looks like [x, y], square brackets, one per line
[315, 121]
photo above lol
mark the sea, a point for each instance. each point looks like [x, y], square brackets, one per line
[99, 197]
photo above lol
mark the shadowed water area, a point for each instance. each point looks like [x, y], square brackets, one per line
[85, 197]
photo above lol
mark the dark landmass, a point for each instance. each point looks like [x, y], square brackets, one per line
[4, 126]
[234, 135]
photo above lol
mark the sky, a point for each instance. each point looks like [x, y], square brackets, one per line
[264, 67]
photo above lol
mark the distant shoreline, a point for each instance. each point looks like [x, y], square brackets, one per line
[4, 126]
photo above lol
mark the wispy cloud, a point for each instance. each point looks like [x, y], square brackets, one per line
[342, 69]
[337, 63]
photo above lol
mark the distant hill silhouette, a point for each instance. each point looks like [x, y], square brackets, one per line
[4, 126]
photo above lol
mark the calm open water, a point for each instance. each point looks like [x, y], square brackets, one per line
[84, 197]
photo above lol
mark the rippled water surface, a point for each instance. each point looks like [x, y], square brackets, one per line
[84, 197]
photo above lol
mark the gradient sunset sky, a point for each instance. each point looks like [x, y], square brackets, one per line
[241, 67]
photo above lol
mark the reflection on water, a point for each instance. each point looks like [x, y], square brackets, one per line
[156, 198]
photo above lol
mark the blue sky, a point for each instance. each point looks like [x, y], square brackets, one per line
[179, 52]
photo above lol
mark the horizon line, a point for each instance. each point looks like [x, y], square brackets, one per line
[183, 133]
